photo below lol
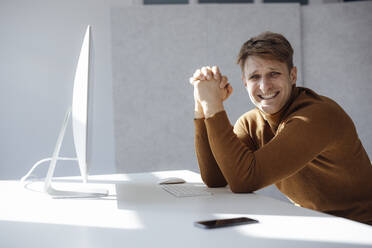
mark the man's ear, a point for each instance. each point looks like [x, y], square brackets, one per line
[293, 75]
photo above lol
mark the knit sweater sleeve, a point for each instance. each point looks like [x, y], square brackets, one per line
[303, 137]
[209, 170]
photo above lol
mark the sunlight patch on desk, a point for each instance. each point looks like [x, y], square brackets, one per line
[109, 178]
[126, 220]
[304, 228]
[41, 208]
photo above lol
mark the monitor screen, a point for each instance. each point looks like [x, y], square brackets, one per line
[80, 105]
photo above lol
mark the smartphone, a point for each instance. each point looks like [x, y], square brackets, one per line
[208, 224]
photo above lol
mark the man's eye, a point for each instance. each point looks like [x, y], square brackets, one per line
[255, 77]
[274, 74]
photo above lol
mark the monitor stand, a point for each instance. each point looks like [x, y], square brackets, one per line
[55, 193]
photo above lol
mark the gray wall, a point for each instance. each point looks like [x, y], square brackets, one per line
[156, 49]
[39, 47]
[338, 59]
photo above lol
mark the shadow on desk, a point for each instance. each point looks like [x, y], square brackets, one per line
[151, 235]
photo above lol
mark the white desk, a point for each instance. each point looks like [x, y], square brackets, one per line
[141, 214]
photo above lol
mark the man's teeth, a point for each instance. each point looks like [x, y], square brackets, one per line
[268, 96]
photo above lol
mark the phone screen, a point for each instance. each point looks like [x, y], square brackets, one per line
[224, 222]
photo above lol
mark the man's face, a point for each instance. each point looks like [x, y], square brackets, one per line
[268, 82]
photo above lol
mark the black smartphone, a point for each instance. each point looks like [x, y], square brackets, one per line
[208, 224]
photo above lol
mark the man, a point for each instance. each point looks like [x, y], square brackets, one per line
[300, 141]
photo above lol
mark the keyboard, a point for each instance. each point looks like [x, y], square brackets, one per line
[186, 190]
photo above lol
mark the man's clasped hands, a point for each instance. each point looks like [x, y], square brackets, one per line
[210, 90]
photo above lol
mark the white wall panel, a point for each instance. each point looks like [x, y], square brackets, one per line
[40, 45]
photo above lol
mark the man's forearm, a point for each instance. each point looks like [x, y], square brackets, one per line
[209, 170]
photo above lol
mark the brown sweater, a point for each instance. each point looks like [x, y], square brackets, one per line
[310, 150]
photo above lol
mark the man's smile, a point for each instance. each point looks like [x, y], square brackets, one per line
[268, 96]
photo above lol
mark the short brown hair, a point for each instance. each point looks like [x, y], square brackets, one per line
[267, 45]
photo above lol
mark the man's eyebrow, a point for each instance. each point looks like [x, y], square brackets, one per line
[273, 68]
[253, 72]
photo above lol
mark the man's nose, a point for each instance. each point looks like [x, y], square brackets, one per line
[265, 85]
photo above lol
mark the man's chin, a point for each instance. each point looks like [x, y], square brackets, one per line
[268, 109]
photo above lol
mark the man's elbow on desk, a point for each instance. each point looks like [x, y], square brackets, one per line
[234, 189]
[240, 186]
[236, 186]
[212, 183]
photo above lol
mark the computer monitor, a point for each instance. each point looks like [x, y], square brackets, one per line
[80, 104]
[79, 110]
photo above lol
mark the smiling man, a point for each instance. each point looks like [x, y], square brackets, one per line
[300, 141]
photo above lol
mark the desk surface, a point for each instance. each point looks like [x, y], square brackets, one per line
[138, 213]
